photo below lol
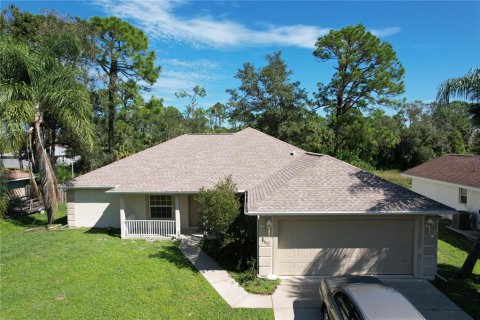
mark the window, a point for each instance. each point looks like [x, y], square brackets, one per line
[462, 195]
[161, 207]
[346, 307]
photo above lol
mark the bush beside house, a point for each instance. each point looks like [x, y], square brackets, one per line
[231, 235]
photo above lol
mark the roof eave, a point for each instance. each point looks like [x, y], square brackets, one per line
[441, 182]
[350, 212]
[87, 186]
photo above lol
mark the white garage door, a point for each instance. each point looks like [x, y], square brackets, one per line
[344, 246]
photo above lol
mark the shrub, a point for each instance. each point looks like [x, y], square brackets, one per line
[218, 208]
[232, 242]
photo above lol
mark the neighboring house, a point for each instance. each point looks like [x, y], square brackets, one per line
[11, 161]
[18, 183]
[452, 179]
[22, 199]
[316, 215]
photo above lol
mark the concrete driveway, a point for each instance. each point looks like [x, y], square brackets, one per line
[298, 298]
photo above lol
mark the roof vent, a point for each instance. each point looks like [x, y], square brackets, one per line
[292, 153]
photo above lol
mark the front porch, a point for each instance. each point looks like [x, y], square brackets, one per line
[163, 216]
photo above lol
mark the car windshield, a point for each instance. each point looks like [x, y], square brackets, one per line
[346, 307]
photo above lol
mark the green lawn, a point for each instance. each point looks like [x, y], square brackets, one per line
[92, 274]
[452, 251]
[395, 177]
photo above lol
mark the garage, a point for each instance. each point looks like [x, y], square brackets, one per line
[344, 245]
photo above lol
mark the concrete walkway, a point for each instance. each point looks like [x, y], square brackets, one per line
[220, 280]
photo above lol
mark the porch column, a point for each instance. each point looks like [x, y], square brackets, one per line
[177, 215]
[122, 217]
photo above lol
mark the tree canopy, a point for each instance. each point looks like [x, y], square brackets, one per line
[367, 74]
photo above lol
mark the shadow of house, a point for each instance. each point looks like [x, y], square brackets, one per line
[392, 197]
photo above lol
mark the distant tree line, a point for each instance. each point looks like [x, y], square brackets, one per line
[81, 83]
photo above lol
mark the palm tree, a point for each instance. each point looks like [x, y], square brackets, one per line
[466, 87]
[34, 87]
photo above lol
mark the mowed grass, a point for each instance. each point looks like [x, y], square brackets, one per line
[452, 252]
[394, 176]
[93, 274]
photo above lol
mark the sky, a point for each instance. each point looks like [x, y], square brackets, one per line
[206, 42]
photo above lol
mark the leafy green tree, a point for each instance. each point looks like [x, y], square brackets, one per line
[49, 34]
[267, 98]
[33, 88]
[122, 55]
[218, 207]
[216, 115]
[195, 118]
[466, 87]
[367, 74]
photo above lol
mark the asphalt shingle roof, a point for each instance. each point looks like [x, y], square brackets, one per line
[277, 176]
[189, 162]
[453, 168]
[320, 183]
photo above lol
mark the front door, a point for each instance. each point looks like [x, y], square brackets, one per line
[193, 215]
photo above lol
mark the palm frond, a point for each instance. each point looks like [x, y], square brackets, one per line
[466, 87]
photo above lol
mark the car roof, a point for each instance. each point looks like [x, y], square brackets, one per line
[374, 299]
[378, 301]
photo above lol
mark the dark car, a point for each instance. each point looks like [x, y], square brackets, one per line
[362, 298]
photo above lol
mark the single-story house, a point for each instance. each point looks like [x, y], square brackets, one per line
[452, 179]
[316, 215]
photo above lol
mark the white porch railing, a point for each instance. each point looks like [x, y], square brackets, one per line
[149, 228]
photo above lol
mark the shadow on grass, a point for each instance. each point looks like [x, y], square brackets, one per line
[112, 232]
[465, 292]
[454, 239]
[173, 255]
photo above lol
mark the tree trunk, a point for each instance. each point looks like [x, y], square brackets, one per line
[112, 84]
[53, 138]
[48, 180]
[472, 258]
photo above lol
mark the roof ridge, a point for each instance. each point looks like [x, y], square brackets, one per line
[269, 137]
[279, 178]
[211, 134]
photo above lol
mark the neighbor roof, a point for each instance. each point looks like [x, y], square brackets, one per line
[17, 175]
[277, 176]
[320, 183]
[452, 168]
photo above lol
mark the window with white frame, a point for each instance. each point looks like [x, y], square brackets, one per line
[161, 206]
[462, 195]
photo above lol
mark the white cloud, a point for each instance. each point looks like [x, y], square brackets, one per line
[180, 75]
[385, 32]
[160, 20]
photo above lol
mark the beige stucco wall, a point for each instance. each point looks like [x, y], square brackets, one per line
[428, 265]
[95, 208]
[424, 250]
[265, 245]
[136, 206]
[183, 201]
[71, 208]
[447, 194]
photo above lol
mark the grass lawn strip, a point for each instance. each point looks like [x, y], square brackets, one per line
[93, 274]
